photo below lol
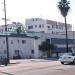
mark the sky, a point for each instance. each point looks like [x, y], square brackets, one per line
[19, 10]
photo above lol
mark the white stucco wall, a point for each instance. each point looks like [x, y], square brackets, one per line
[54, 26]
[30, 44]
[25, 49]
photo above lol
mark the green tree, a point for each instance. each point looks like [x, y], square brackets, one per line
[18, 30]
[46, 47]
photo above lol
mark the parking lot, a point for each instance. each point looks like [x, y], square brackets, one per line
[37, 67]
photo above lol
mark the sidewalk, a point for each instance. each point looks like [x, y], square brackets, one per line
[23, 61]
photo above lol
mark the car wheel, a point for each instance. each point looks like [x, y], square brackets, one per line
[62, 62]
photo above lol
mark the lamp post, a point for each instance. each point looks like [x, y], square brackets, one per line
[64, 8]
[5, 19]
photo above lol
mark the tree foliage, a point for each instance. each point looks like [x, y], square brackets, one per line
[64, 7]
[18, 30]
[46, 47]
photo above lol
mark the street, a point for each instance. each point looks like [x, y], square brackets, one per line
[37, 67]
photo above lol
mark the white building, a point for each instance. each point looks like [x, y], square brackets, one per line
[19, 45]
[47, 26]
[28, 46]
[10, 27]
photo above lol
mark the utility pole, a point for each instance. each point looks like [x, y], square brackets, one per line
[5, 20]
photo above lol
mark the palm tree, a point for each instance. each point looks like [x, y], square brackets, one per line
[64, 8]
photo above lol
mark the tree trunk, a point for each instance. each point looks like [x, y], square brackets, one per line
[49, 53]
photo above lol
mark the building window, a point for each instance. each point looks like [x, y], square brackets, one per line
[61, 41]
[16, 52]
[30, 27]
[23, 41]
[35, 26]
[48, 26]
[11, 41]
[48, 40]
[36, 19]
[39, 25]
[32, 51]
[52, 26]
[52, 32]
[33, 19]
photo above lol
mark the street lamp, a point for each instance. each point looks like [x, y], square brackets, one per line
[64, 8]
[5, 19]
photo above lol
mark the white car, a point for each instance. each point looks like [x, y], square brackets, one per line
[67, 58]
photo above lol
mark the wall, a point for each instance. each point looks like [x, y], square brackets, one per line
[14, 44]
[47, 26]
[32, 44]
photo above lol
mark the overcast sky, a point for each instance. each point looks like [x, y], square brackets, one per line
[19, 10]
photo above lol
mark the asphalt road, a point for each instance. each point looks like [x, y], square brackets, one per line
[37, 67]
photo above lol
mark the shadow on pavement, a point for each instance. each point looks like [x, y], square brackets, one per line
[53, 58]
[44, 59]
[6, 73]
[12, 63]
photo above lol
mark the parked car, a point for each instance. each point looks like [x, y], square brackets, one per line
[68, 58]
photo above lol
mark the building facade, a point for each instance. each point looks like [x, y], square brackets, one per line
[38, 30]
[27, 46]
[11, 27]
[58, 40]
[46, 26]
[19, 45]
